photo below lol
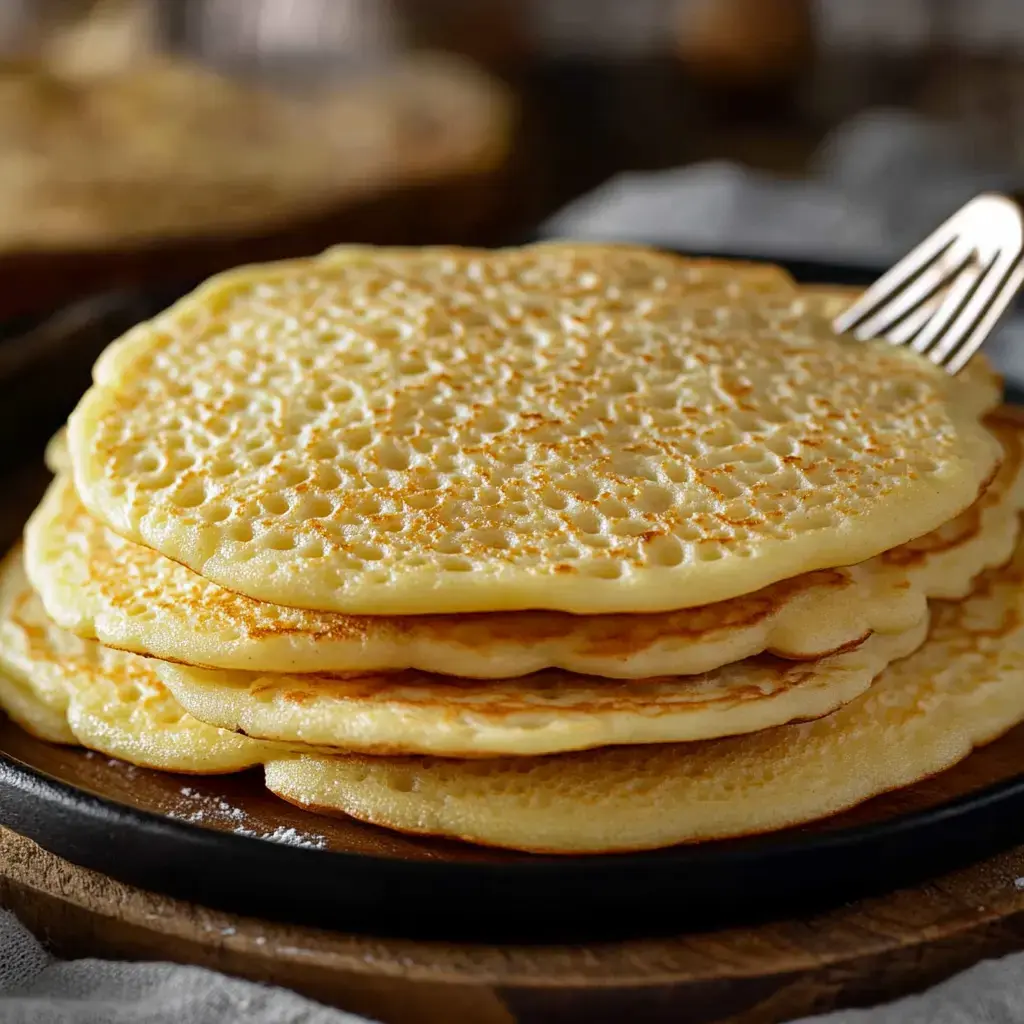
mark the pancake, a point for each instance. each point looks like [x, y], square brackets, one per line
[68, 690]
[962, 689]
[587, 429]
[56, 455]
[101, 586]
[547, 712]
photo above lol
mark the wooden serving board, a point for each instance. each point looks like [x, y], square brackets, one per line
[859, 954]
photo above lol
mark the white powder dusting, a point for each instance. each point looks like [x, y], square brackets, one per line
[209, 810]
[288, 836]
[129, 769]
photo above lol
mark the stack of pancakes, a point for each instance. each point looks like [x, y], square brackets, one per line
[562, 548]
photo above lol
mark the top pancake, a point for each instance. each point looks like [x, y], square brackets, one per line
[580, 428]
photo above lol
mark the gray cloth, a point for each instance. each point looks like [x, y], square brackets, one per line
[36, 989]
[877, 185]
[989, 993]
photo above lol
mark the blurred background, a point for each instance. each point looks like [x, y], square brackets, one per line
[148, 143]
[148, 125]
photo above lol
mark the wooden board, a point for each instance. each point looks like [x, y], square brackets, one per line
[856, 955]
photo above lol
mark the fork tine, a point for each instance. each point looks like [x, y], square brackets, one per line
[913, 323]
[895, 279]
[973, 338]
[916, 294]
[973, 308]
[953, 302]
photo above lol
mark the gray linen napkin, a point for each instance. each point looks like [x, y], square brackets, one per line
[36, 989]
[989, 993]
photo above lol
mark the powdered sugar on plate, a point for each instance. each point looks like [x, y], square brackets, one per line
[199, 809]
[288, 836]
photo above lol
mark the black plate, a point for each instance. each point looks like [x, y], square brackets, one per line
[441, 891]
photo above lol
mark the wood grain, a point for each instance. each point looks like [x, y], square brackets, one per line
[855, 955]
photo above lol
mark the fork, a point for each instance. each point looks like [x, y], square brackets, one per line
[946, 296]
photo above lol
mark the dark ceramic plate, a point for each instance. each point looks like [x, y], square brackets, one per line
[224, 841]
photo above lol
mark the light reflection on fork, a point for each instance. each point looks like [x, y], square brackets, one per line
[945, 297]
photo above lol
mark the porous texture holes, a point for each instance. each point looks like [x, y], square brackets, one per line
[655, 500]
[275, 540]
[389, 455]
[240, 533]
[191, 494]
[323, 450]
[318, 507]
[275, 504]
[291, 476]
[586, 521]
[216, 513]
[582, 488]
[356, 439]
[327, 478]
[725, 486]
[422, 501]
[311, 549]
[630, 528]
[496, 540]
[493, 408]
[367, 552]
[665, 551]
[340, 394]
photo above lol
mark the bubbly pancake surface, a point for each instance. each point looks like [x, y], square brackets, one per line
[69, 690]
[580, 428]
[962, 689]
[100, 585]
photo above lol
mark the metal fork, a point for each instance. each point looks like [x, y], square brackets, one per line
[946, 296]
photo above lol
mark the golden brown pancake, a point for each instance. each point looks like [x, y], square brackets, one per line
[582, 428]
[962, 689]
[101, 586]
[69, 690]
[546, 712]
